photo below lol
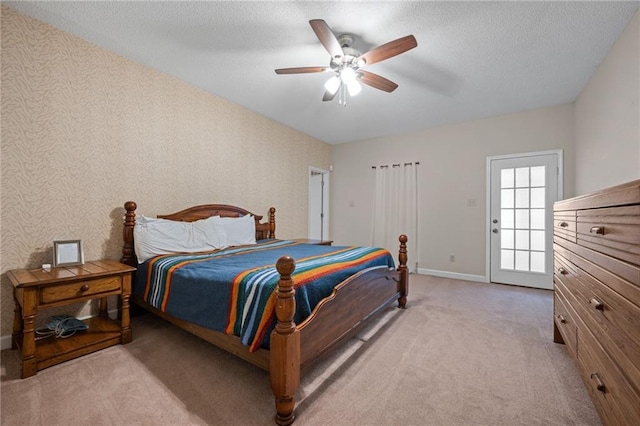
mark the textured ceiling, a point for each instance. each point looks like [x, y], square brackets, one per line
[473, 60]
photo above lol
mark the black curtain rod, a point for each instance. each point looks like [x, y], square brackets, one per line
[395, 165]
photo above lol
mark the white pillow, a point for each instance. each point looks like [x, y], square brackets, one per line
[209, 232]
[160, 236]
[240, 230]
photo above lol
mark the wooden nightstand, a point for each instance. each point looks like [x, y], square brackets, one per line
[35, 289]
[317, 242]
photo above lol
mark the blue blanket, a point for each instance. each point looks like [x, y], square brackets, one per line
[233, 290]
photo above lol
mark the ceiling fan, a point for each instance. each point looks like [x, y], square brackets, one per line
[347, 63]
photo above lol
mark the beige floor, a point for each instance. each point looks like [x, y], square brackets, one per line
[463, 353]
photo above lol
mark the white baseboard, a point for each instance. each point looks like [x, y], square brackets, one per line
[5, 341]
[454, 275]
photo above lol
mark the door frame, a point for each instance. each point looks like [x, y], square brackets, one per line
[559, 153]
[325, 201]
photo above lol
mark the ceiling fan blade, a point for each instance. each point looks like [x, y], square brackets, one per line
[300, 70]
[389, 50]
[376, 81]
[326, 37]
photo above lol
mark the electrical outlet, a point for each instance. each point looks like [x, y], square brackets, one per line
[452, 258]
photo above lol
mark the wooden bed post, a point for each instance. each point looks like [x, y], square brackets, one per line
[285, 345]
[403, 284]
[128, 253]
[272, 222]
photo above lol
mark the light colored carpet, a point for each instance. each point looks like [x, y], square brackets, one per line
[463, 353]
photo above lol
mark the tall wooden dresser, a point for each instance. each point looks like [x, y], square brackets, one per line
[597, 295]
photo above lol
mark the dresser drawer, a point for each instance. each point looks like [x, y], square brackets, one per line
[565, 322]
[611, 393]
[612, 231]
[613, 320]
[74, 290]
[564, 225]
[563, 274]
[615, 271]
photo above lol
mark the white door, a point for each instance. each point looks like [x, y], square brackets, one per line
[318, 204]
[522, 192]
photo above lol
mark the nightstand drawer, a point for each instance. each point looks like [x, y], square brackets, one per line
[74, 290]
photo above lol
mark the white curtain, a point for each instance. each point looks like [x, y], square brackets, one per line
[395, 209]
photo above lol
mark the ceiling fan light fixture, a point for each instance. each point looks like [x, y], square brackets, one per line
[354, 88]
[332, 85]
[348, 76]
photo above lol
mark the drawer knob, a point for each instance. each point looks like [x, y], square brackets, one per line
[84, 288]
[563, 224]
[562, 319]
[563, 271]
[600, 386]
[597, 230]
[597, 304]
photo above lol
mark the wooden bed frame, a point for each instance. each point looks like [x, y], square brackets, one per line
[293, 346]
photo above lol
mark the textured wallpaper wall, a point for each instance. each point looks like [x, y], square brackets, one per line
[84, 130]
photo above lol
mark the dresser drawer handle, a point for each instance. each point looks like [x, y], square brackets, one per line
[600, 386]
[563, 271]
[597, 230]
[597, 304]
[563, 224]
[562, 319]
[84, 288]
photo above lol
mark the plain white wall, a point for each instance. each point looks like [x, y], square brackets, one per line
[451, 172]
[607, 117]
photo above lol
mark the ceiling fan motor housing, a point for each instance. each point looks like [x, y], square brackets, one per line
[349, 57]
[346, 42]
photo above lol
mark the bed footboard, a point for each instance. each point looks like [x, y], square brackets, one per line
[351, 304]
[285, 345]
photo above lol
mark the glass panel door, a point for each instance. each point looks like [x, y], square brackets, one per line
[522, 210]
[523, 190]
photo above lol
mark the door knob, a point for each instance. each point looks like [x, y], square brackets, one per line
[494, 230]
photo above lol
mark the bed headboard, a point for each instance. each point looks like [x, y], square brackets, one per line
[263, 230]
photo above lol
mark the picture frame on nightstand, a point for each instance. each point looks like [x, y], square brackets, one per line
[67, 253]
